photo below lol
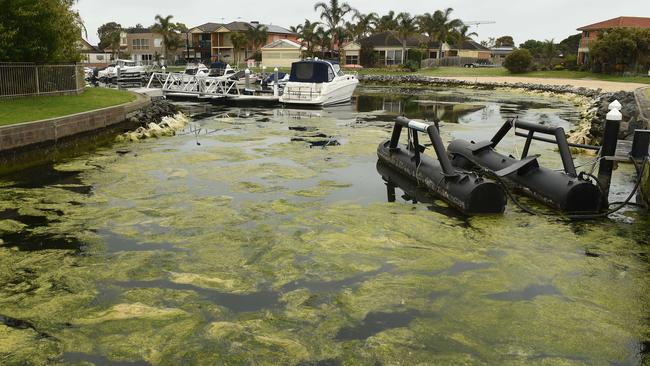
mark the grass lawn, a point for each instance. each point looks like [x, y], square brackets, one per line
[502, 72]
[27, 109]
[647, 93]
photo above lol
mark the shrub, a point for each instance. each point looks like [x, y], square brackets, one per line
[411, 65]
[571, 62]
[559, 67]
[518, 61]
[367, 56]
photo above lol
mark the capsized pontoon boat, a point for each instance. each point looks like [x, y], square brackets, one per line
[318, 83]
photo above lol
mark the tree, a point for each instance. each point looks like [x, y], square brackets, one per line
[170, 32]
[406, 27]
[621, 49]
[364, 25]
[239, 40]
[460, 35]
[307, 34]
[333, 14]
[109, 36]
[518, 61]
[549, 52]
[39, 31]
[257, 36]
[367, 56]
[386, 23]
[535, 47]
[569, 45]
[489, 43]
[323, 39]
[504, 41]
[439, 26]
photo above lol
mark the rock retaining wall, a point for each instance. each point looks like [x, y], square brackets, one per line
[591, 126]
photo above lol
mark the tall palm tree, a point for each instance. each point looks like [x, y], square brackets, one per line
[167, 29]
[323, 39]
[239, 40]
[445, 25]
[333, 14]
[307, 34]
[365, 24]
[386, 23]
[461, 35]
[257, 36]
[406, 27]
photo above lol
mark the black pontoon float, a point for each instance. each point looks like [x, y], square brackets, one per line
[465, 190]
[566, 190]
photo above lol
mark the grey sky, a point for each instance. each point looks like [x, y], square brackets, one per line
[523, 19]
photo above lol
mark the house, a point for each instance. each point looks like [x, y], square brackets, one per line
[499, 54]
[211, 41]
[281, 53]
[590, 33]
[93, 56]
[146, 47]
[388, 49]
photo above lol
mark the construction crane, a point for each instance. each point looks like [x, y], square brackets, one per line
[478, 22]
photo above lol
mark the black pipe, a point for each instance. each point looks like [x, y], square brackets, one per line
[565, 152]
[571, 144]
[610, 139]
[640, 144]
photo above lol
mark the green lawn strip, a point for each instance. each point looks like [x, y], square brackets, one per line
[27, 109]
[502, 72]
[647, 93]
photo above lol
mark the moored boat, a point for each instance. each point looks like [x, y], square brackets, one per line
[318, 83]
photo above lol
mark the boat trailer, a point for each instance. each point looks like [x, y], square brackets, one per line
[465, 190]
[567, 190]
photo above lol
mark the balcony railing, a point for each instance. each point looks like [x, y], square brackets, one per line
[201, 44]
[587, 42]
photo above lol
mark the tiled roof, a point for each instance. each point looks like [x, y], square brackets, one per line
[633, 22]
[240, 27]
[138, 30]
[283, 43]
[471, 45]
[209, 27]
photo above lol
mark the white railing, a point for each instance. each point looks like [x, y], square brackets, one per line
[25, 79]
[192, 84]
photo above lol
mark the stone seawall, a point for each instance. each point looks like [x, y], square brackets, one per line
[593, 104]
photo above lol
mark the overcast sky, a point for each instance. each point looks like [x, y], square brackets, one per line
[523, 19]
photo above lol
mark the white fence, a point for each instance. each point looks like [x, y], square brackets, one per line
[25, 79]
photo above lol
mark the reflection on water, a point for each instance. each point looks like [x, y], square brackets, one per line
[271, 236]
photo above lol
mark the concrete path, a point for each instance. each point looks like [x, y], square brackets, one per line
[607, 86]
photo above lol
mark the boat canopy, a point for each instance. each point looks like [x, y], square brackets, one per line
[311, 72]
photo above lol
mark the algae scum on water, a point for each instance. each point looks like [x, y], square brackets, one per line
[263, 237]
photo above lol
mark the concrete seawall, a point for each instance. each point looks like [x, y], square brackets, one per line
[31, 143]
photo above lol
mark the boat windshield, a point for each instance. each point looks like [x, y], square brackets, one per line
[310, 72]
[337, 70]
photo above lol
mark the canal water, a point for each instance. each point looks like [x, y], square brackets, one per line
[264, 236]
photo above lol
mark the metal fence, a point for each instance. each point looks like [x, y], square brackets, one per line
[25, 79]
[448, 61]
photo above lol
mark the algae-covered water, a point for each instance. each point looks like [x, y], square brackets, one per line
[265, 237]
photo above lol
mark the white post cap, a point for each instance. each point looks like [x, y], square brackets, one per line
[263, 67]
[275, 70]
[615, 105]
[614, 115]
[247, 71]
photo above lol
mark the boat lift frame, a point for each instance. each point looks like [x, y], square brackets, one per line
[194, 85]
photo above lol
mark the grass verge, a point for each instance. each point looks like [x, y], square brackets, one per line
[27, 109]
[502, 72]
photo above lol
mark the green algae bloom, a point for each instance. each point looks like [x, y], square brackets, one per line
[264, 245]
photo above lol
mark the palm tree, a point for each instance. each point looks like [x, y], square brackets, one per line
[239, 40]
[323, 39]
[333, 14]
[257, 36]
[167, 29]
[307, 33]
[365, 24]
[386, 23]
[445, 25]
[460, 35]
[549, 52]
[406, 27]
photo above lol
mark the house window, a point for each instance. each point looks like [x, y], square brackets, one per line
[586, 35]
[100, 57]
[352, 60]
[140, 44]
[433, 54]
[393, 57]
[157, 42]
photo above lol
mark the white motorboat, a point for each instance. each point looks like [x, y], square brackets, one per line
[122, 68]
[199, 70]
[318, 83]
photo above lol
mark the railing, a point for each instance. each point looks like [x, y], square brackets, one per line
[27, 79]
[587, 42]
[448, 61]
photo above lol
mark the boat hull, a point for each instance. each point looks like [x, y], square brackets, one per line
[328, 94]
